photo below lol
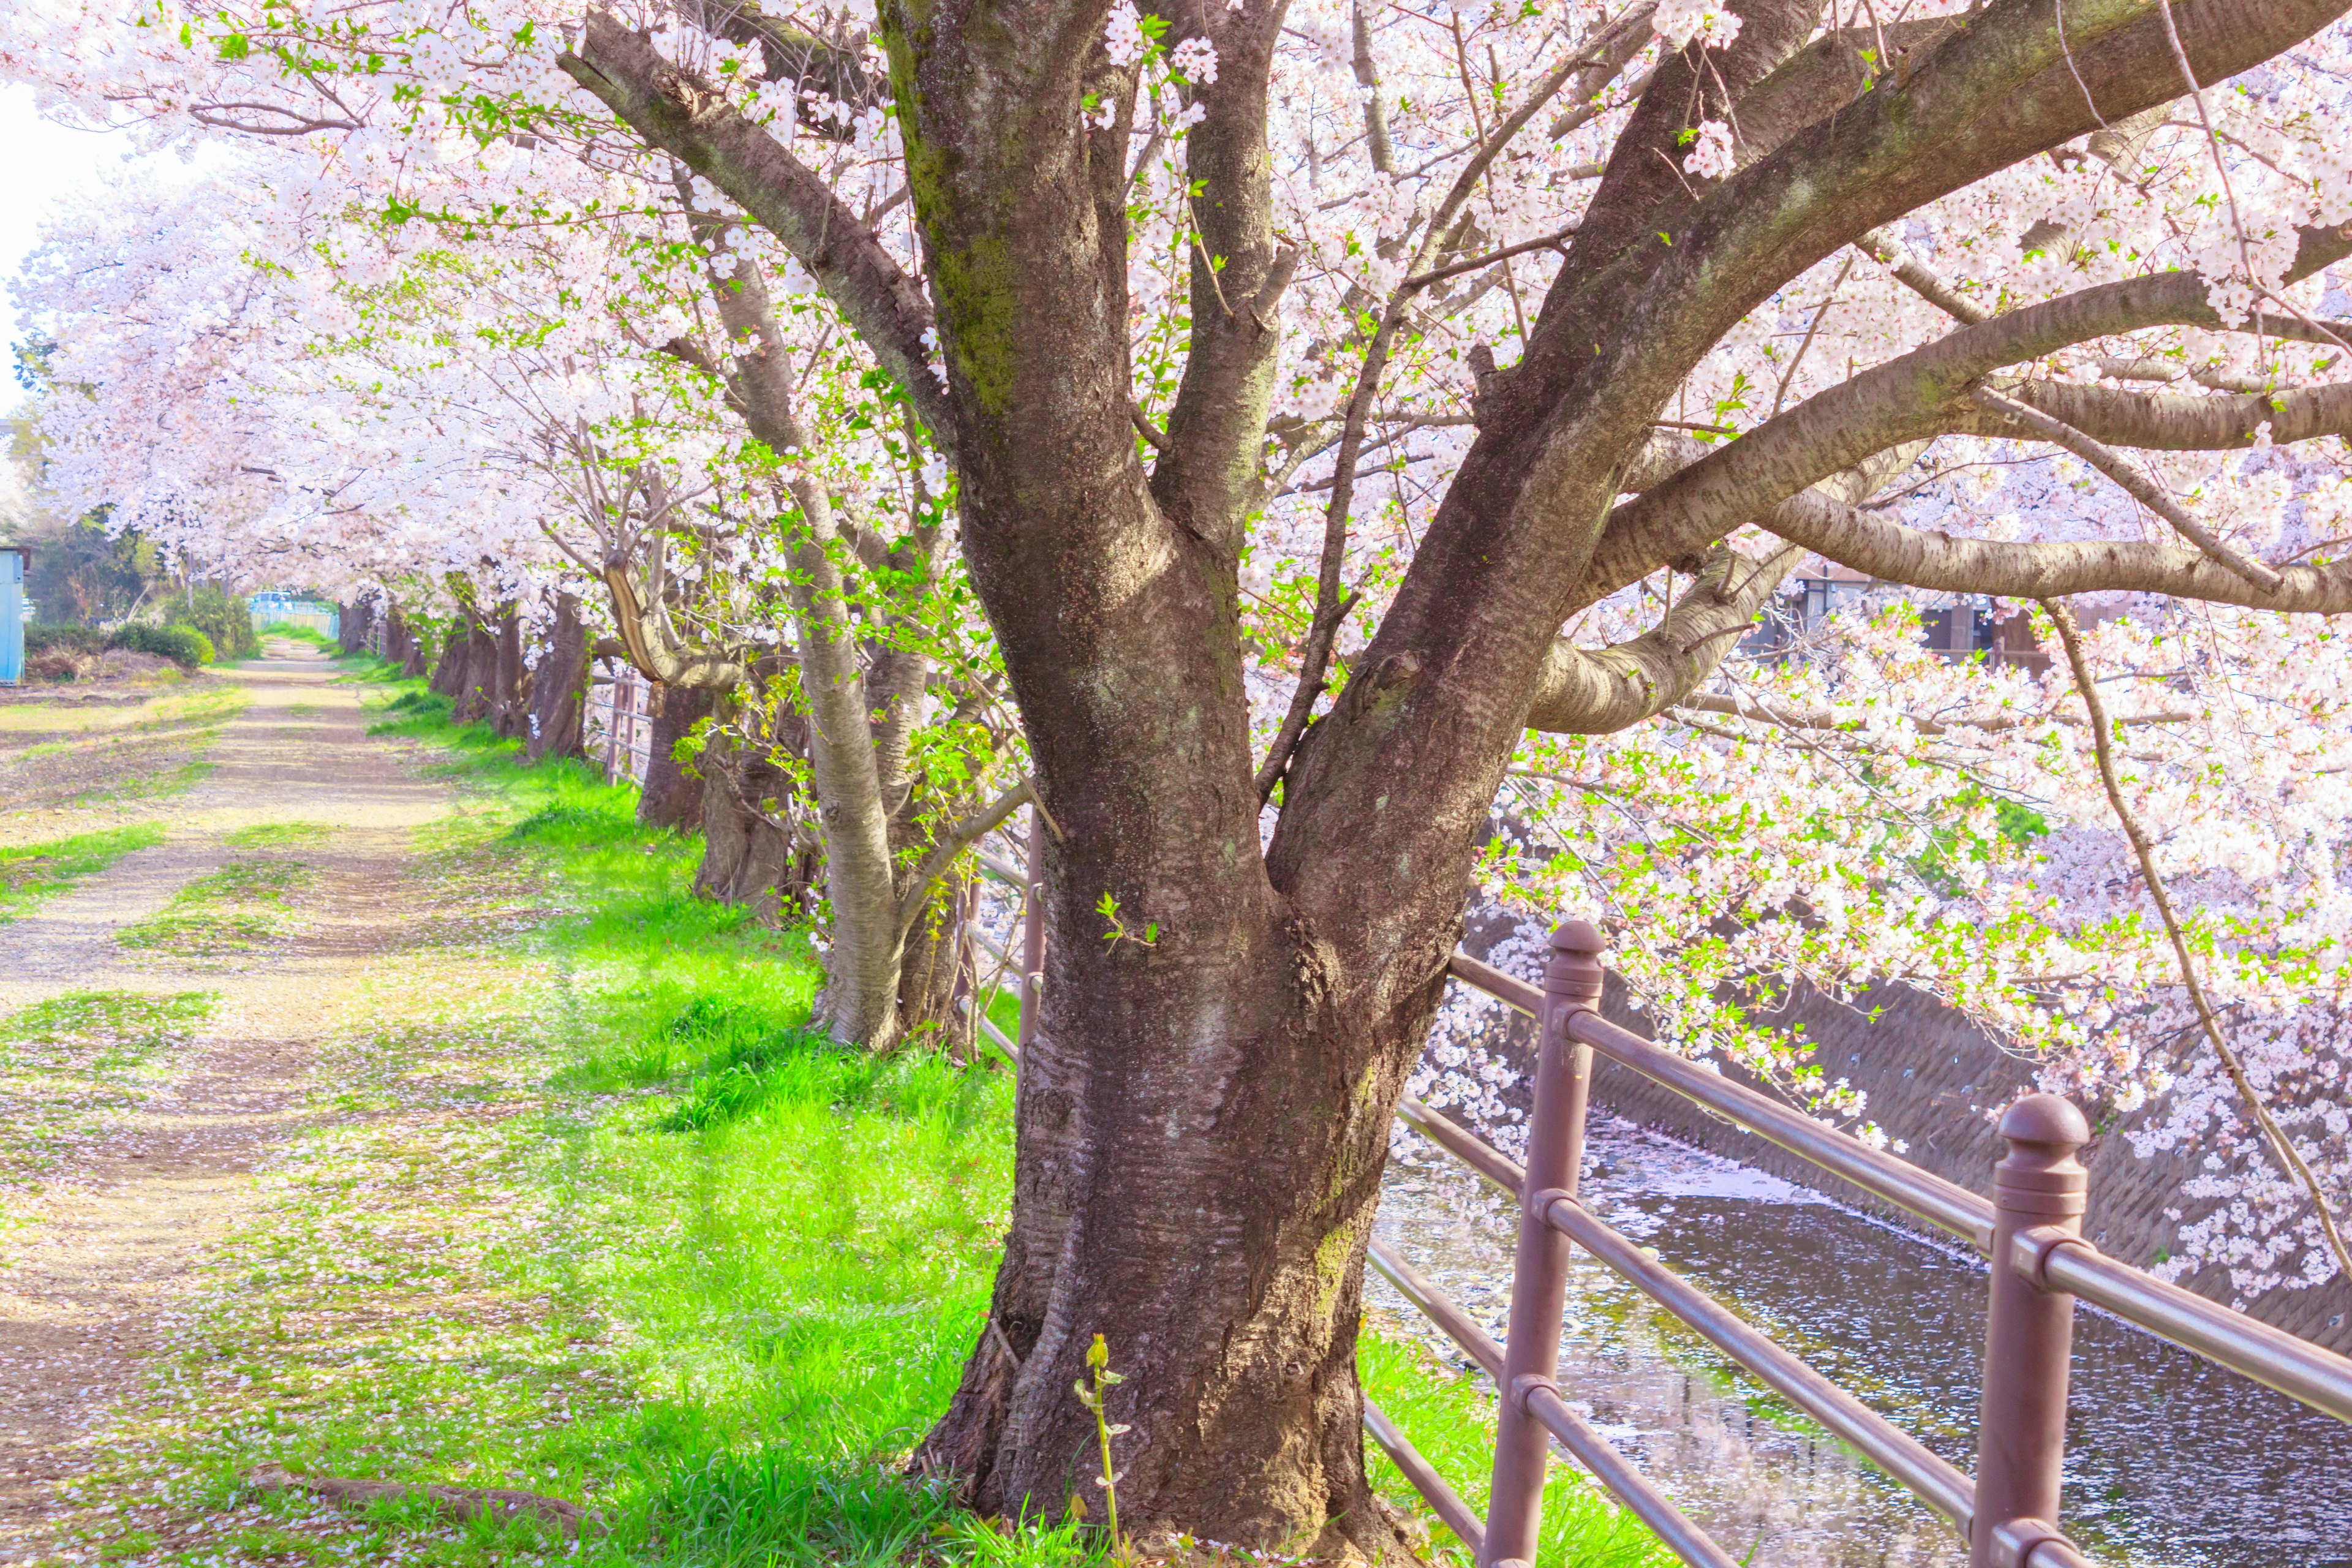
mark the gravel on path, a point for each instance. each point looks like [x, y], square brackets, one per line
[88, 1288]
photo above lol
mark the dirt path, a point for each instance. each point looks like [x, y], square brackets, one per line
[88, 1291]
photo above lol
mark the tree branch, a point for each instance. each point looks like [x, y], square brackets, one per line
[1787, 718]
[2134, 483]
[691, 119]
[1923, 560]
[1607, 690]
[2282, 1149]
[954, 842]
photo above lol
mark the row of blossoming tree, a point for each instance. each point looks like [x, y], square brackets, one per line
[1341, 459]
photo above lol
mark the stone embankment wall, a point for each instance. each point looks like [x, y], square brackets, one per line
[1936, 1082]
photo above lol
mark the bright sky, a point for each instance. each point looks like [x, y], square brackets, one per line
[44, 163]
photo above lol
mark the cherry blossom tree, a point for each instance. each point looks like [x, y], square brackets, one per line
[1382, 438]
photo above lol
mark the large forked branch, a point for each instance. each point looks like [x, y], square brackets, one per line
[1591, 67]
[2134, 483]
[2282, 1149]
[691, 119]
[654, 648]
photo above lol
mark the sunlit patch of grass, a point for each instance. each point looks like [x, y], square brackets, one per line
[237, 908]
[1450, 1418]
[33, 872]
[204, 706]
[71, 1064]
[276, 835]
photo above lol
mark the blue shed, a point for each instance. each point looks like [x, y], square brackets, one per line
[13, 559]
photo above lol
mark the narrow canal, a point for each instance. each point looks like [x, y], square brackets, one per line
[2172, 1461]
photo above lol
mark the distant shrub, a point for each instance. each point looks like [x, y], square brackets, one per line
[184, 646]
[64, 636]
[224, 618]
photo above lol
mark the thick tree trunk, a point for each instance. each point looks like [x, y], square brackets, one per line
[510, 717]
[750, 854]
[559, 689]
[480, 698]
[1203, 1124]
[352, 624]
[450, 672]
[672, 798]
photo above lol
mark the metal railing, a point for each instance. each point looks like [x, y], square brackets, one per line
[2031, 1231]
[618, 724]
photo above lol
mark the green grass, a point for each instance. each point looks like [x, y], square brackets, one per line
[71, 1064]
[244, 904]
[1451, 1419]
[293, 633]
[276, 835]
[36, 871]
[582, 1205]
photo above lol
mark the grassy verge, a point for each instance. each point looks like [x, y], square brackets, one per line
[33, 872]
[582, 1208]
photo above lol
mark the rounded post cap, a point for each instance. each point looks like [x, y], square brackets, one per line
[1578, 936]
[2046, 1119]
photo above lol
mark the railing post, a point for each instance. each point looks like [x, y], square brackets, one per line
[1540, 1276]
[1033, 931]
[2040, 1191]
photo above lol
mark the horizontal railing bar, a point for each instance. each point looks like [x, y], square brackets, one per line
[1480, 1156]
[1591, 1450]
[991, 1030]
[1632, 1487]
[1931, 1198]
[994, 947]
[2273, 1357]
[1938, 1483]
[1504, 988]
[1443, 1500]
[1438, 1307]
[1001, 871]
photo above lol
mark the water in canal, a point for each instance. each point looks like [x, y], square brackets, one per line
[2170, 1460]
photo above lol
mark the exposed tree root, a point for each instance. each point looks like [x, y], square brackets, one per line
[467, 1503]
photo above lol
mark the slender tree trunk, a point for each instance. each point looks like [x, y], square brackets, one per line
[937, 951]
[672, 798]
[860, 999]
[558, 692]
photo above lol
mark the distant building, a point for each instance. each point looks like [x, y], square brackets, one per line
[14, 611]
[1966, 632]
